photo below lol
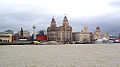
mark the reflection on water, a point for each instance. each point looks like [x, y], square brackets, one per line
[97, 55]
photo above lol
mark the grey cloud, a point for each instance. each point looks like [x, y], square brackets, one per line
[108, 23]
[15, 16]
[115, 3]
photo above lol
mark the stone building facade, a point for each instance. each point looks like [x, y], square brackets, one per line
[9, 32]
[83, 36]
[60, 34]
[6, 37]
[24, 33]
[99, 35]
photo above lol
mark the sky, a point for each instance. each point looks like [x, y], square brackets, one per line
[15, 14]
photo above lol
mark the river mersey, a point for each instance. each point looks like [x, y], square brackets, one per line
[78, 55]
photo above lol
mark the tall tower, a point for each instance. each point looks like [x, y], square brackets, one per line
[98, 34]
[85, 29]
[21, 32]
[67, 29]
[107, 35]
[34, 37]
[65, 21]
[53, 22]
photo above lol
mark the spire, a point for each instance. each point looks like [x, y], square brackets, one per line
[65, 20]
[53, 22]
[21, 29]
[21, 32]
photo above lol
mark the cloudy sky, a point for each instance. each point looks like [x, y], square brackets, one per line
[81, 13]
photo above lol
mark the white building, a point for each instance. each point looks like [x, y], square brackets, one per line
[26, 33]
[5, 37]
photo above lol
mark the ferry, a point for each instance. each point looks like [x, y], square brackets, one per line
[117, 41]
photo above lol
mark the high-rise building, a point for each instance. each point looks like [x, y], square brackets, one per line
[60, 34]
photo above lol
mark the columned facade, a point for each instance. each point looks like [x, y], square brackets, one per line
[60, 34]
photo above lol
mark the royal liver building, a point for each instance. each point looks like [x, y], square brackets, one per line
[60, 34]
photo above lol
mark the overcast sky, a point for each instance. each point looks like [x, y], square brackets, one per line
[81, 13]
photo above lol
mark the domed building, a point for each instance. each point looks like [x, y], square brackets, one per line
[99, 35]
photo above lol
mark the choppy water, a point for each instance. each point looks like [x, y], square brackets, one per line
[98, 55]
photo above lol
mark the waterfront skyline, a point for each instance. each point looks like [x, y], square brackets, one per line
[15, 14]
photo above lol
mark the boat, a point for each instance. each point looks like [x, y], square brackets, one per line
[117, 41]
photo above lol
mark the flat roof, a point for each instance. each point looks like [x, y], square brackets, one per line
[5, 34]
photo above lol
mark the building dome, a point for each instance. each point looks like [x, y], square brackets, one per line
[97, 27]
[53, 22]
[65, 20]
[53, 19]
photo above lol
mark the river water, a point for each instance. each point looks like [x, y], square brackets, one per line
[80, 55]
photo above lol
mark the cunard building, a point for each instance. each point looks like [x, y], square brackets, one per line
[60, 34]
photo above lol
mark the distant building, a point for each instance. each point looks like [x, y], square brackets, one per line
[76, 36]
[62, 33]
[42, 36]
[9, 32]
[42, 32]
[85, 29]
[113, 38]
[83, 36]
[22, 35]
[99, 35]
[5, 37]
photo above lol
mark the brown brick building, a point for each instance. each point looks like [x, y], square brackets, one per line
[60, 34]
